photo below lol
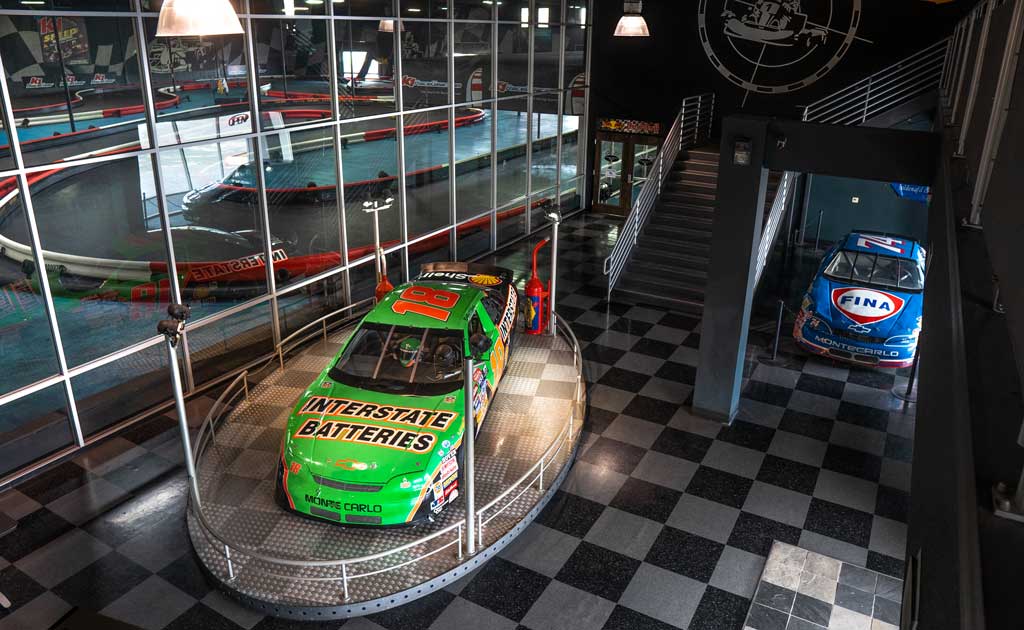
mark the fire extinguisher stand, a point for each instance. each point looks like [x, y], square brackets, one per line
[556, 220]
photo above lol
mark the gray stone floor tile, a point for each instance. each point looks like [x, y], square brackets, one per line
[665, 470]
[737, 572]
[735, 459]
[41, 612]
[827, 369]
[625, 533]
[847, 490]
[888, 537]
[564, 607]
[760, 413]
[633, 431]
[669, 391]
[245, 617]
[834, 548]
[685, 420]
[151, 605]
[597, 483]
[462, 613]
[17, 505]
[609, 398]
[705, 518]
[869, 396]
[798, 448]
[664, 595]
[821, 406]
[858, 438]
[541, 549]
[61, 558]
[640, 363]
[90, 500]
[778, 504]
[775, 375]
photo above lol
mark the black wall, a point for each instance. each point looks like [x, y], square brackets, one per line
[646, 78]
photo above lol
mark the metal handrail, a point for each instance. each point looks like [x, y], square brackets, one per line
[902, 81]
[211, 534]
[320, 320]
[773, 223]
[691, 126]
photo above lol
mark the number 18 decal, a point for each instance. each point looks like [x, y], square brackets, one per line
[427, 302]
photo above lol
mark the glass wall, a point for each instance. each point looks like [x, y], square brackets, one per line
[132, 175]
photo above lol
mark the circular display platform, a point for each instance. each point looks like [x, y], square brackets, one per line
[295, 567]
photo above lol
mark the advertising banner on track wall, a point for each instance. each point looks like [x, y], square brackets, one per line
[72, 37]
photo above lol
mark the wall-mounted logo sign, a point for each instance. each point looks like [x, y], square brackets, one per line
[776, 46]
[625, 125]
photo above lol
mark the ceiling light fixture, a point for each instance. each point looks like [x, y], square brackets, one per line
[632, 24]
[197, 18]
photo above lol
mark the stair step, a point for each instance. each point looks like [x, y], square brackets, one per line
[697, 167]
[684, 209]
[670, 219]
[681, 186]
[689, 307]
[673, 259]
[693, 176]
[659, 270]
[683, 234]
[705, 200]
[656, 242]
[670, 287]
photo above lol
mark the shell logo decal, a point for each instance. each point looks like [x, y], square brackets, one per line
[866, 306]
[485, 280]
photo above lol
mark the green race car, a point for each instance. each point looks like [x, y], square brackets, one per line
[375, 439]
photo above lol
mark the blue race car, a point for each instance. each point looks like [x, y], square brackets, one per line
[864, 304]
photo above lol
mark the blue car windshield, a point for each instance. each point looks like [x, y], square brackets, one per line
[876, 270]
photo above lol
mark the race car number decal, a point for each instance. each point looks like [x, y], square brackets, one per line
[869, 241]
[866, 306]
[426, 301]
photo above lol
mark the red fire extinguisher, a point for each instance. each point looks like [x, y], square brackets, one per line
[536, 298]
[383, 285]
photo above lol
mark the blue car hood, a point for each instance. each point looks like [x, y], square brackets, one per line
[875, 312]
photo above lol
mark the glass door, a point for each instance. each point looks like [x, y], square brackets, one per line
[624, 162]
[644, 152]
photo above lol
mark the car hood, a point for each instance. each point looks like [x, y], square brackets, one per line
[877, 312]
[358, 436]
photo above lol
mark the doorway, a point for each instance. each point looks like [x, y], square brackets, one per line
[624, 162]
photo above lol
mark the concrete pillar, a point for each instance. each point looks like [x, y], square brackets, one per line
[730, 287]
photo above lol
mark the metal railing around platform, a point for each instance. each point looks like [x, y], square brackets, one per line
[773, 223]
[692, 125]
[899, 83]
[348, 567]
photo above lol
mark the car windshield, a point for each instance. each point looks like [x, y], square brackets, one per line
[401, 360]
[876, 270]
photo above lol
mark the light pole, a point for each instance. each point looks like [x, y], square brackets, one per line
[373, 207]
[172, 329]
[556, 219]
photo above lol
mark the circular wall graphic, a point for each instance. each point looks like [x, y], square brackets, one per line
[775, 47]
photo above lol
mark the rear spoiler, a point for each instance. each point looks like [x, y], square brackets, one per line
[475, 274]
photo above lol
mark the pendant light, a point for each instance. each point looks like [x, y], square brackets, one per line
[632, 24]
[197, 18]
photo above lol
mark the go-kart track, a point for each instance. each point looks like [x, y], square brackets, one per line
[99, 225]
[300, 568]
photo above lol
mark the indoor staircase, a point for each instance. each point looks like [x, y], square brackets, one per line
[669, 266]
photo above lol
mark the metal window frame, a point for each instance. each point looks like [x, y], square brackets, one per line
[255, 140]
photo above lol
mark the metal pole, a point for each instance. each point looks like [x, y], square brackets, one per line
[63, 72]
[556, 219]
[817, 233]
[468, 440]
[907, 393]
[179, 404]
[284, 68]
[778, 330]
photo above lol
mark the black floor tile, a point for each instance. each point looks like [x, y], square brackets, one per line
[717, 485]
[685, 553]
[602, 354]
[806, 425]
[812, 609]
[821, 385]
[570, 514]
[598, 570]
[892, 504]
[616, 308]
[19, 588]
[773, 596]
[692, 341]
[839, 522]
[872, 378]
[652, 409]
[596, 422]
[149, 429]
[885, 564]
[586, 333]
[852, 462]
[676, 320]
[623, 618]
[417, 614]
[886, 610]
[613, 454]
[855, 599]
[747, 434]
[157, 503]
[646, 499]
[139, 472]
[505, 588]
[679, 372]
[755, 534]
[624, 380]
[861, 415]
[763, 618]
[654, 348]
[767, 393]
[899, 448]
[55, 482]
[631, 326]
[719, 610]
[202, 616]
[33, 531]
[788, 474]
[102, 582]
[185, 574]
[570, 313]
[682, 444]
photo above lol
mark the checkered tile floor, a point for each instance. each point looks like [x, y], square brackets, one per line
[665, 521]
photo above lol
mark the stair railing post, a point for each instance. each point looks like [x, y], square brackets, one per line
[867, 100]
